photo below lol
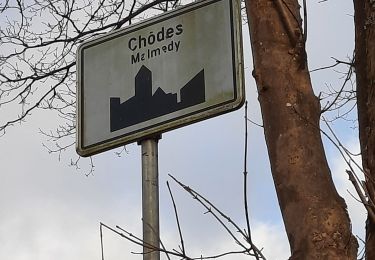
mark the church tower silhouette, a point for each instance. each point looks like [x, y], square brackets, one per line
[143, 83]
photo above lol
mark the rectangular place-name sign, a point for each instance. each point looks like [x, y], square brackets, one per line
[178, 68]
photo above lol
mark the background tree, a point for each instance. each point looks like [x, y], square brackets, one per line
[315, 216]
[37, 71]
[364, 17]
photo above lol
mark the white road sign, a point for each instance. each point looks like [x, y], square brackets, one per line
[178, 68]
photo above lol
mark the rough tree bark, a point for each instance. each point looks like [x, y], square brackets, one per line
[364, 18]
[315, 216]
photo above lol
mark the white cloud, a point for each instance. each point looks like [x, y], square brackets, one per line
[273, 239]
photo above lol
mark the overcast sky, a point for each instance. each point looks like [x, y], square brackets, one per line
[50, 210]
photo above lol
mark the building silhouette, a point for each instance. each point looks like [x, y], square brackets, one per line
[144, 105]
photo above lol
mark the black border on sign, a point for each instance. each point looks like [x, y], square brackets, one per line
[137, 27]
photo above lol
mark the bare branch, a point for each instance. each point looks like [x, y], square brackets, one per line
[216, 213]
[370, 207]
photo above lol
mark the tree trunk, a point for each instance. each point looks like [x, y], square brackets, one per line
[315, 216]
[364, 18]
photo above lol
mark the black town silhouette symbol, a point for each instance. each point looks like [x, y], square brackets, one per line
[144, 105]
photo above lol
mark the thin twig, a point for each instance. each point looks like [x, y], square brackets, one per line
[304, 21]
[337, 62]
[245, 173]
[347, 78]
[369, 207]
[255, 123]
[101, 241]
[164, 249]
[177, 219]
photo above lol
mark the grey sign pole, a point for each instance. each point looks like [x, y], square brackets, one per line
[150, 197]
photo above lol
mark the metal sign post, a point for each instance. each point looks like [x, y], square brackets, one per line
[150, 198]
